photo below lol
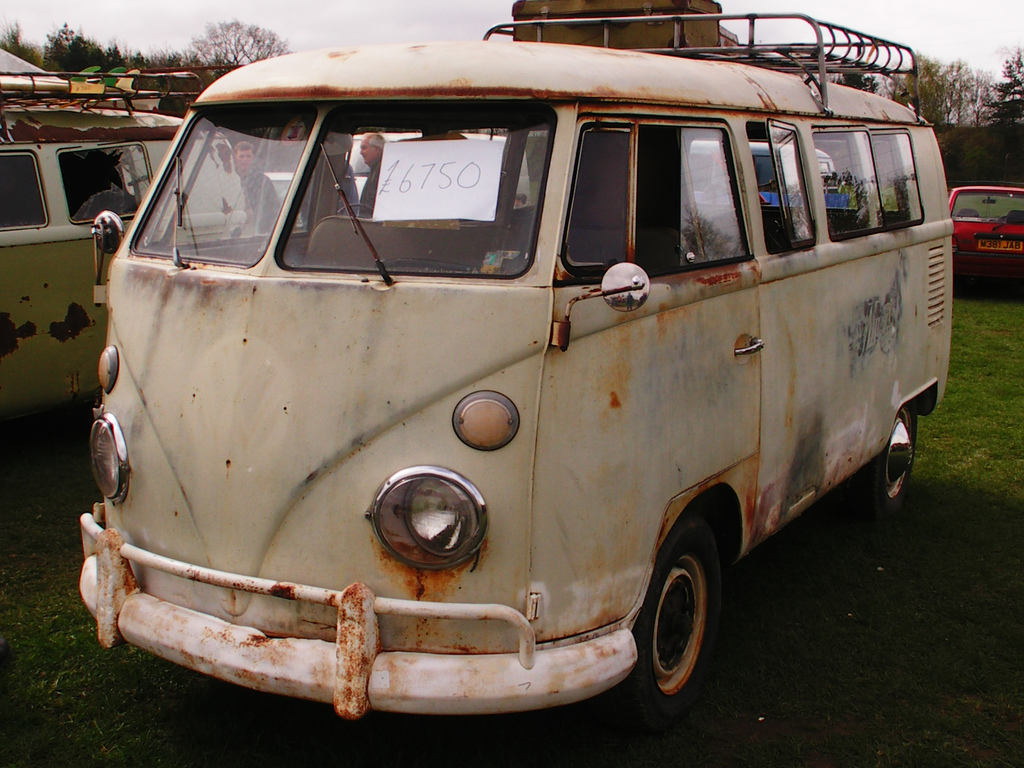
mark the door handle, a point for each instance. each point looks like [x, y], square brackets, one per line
[754, 345]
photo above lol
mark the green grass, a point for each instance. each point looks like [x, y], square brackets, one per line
[843, 643]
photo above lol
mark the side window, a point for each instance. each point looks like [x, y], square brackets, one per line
[686, 204]
[104, 179]
[851, 190]
[897, 179]
[21, 195]
[781, 186]
[596, 236]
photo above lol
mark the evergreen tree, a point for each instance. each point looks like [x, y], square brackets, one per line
[1007, 108]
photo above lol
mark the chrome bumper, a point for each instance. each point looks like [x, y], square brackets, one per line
[353, 672]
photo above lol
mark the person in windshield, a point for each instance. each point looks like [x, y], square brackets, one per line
[261, 203]
[339, 148]
[372, 150]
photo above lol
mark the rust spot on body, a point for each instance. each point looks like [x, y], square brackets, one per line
[614, 401]
[718, 278]
[11, 335]
[75, 321]
[284, 590]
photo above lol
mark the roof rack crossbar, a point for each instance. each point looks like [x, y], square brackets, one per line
[37, 87]
[836, 50]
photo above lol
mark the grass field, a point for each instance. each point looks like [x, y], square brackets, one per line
[843, 643]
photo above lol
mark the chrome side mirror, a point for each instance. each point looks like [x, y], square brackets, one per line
[107, 233]
[625, 287]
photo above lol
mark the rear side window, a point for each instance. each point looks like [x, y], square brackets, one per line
[21, 195]
[851, 189]
[897, 178]
[104, 179]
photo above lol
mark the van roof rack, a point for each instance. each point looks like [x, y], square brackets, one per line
[93, 89]
[836, 50]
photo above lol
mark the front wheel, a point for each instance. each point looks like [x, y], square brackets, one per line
[675, 632]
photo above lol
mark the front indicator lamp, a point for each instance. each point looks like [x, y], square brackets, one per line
[429, 517]
[109, 454]
[108, 368]
[486, 420]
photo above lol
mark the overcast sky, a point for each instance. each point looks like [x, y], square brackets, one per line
[980, 33]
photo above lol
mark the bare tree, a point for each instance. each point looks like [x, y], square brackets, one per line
[232, 43]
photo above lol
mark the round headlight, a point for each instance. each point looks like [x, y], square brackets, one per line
[429, 517]
[109, 364]
[485, 420]
[109, 457]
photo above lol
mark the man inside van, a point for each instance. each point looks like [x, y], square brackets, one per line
[261, 201]
[372, 150]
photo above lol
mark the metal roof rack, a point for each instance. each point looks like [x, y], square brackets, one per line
[93, 89]
[836, 50]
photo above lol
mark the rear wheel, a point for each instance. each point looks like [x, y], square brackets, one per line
[880, 487]
[674, 632]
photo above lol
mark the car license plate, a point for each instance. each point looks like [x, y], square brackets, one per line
[1012, 246]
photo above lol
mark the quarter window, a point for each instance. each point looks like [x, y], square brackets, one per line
[21, 196]
[785, 211]
[106, 179]
[597, 221]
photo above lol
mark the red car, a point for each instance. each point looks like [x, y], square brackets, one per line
[988, 231]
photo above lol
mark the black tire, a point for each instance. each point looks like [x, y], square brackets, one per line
[675, 633]
[879, 488]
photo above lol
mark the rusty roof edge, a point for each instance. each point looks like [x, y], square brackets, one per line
[542, 71]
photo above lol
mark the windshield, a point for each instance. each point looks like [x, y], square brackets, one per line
[436, 191]
[226, 187]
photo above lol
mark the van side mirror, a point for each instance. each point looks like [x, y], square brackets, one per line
[625, 287]
[107, 233]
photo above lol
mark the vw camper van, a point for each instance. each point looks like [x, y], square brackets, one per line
[479, 433]
[71, 146]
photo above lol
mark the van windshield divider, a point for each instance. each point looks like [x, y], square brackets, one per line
[837, 50]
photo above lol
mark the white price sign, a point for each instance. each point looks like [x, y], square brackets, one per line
[445, 179]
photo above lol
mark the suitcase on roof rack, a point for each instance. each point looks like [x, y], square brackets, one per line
[635, 35]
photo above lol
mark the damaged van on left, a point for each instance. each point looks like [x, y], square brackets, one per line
[71, 145]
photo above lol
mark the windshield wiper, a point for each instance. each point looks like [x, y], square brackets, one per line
[357, 226]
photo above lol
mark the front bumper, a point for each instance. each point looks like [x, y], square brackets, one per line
[354, 672]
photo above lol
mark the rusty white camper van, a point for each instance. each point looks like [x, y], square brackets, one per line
[71, 146]
[466, 414]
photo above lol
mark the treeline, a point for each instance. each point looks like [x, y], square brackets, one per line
[224, 45]
[979, 120]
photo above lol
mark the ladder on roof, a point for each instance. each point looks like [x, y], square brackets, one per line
[89, 89]
[836, 50]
